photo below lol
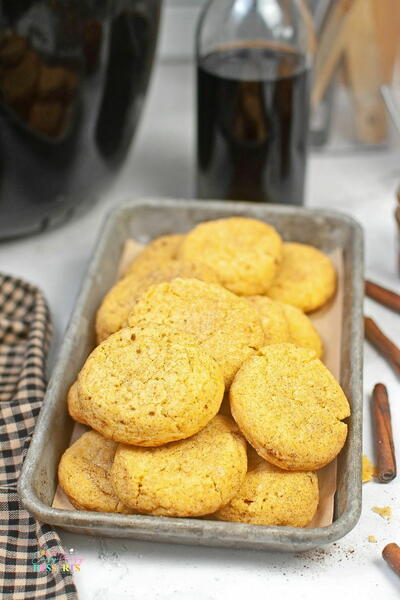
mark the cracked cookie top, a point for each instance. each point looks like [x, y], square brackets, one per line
[189, 478]
[147, 386]
[245, 253]
[112, 314]
[290, 407]
[226, 326]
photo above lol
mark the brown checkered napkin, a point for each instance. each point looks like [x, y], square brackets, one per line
[25, 544]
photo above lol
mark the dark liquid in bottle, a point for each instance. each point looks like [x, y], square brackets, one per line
[253, 107]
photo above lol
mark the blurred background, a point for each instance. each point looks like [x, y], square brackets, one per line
[357, 67]
[74, 82]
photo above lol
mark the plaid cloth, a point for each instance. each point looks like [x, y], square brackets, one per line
[25, 544]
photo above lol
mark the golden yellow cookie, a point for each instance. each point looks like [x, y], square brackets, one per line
[149, 386]
[271, 496]
[306, 278]
[301, 330]
[245, 253]
[164, 248]
[113, 312]
[157, 272]
[73, 402]
[227, 327]
[84, 474]
[273, 320]
[284, 323]
[290, 407]
[188, 478]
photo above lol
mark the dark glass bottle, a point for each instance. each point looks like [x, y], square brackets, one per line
[73, 75]
[253, 74]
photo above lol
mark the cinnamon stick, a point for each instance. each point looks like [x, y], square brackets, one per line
[382, 343]
[382, 295]
[384, 446]
[391, 553]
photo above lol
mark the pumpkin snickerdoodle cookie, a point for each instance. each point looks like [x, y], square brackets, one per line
[113, 312]
[149, 386]
[245, 253]
[227, 327]
[157, 272]
[271, 496]
[306, 278]
[290, 408]
[274, 323]
[301, 330]
[285, 323]
[84, 474]
[74, 407]
[189, 478]
[163, 248]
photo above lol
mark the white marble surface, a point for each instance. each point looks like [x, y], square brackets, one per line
[160, 164]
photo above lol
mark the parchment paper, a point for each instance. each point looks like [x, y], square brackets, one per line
[328, 324]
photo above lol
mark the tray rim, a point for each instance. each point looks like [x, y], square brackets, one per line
[199, 531]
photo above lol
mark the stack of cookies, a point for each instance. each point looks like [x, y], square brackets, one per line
[206, 394]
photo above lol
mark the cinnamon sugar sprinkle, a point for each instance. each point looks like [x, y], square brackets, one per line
[385, 511]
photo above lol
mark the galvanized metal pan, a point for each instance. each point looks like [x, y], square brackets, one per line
[143, 220]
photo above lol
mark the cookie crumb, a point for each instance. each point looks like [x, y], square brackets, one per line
[368, 469]
[385, 511]
[372, 539]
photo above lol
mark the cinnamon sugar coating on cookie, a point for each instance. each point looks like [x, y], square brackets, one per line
[147, 386]
[84, 474]
[226, 327]
[192, 477]
[290, 407]
[245, 253]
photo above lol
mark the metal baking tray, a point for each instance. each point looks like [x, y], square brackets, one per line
[144, 220]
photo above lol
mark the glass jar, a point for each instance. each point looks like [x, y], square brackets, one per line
[73, 76]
